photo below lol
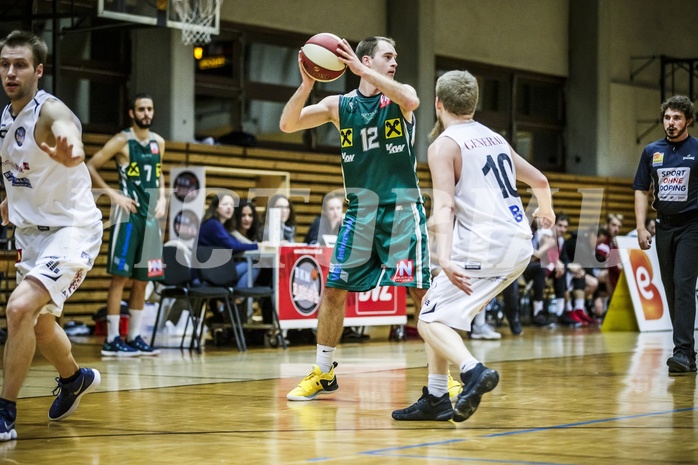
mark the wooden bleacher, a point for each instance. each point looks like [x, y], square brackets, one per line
[318, 174]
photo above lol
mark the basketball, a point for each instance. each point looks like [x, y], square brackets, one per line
[319, 57]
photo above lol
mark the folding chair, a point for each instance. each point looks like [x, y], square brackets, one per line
[226, 275]
[177, 283]
[216, 267]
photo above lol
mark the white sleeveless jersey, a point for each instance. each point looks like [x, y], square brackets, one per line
[40, 191]
[491, 231]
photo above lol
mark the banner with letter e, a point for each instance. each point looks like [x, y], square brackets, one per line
[641, 280]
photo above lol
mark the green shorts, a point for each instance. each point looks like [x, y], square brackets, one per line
[385, 245]
[135, 248]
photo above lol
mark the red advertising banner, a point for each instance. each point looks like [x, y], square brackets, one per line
[302, 271]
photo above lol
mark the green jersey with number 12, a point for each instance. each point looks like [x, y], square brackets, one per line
[378, 160]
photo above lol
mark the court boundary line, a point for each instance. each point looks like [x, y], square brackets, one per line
[389, 452]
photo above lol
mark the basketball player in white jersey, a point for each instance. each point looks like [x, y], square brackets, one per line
[483, 242]
[58, 228]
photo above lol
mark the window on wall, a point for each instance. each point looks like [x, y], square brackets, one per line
[526, 108]
[94, 68]
[244, 77]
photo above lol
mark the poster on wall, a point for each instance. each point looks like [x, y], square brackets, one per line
[641, 269]
[188, 195]
[301, 282]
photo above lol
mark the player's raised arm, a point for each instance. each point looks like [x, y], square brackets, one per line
[296, 116]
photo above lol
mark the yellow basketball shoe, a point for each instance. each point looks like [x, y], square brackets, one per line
[315, 383]
[454, 388]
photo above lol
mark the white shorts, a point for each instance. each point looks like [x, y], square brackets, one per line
[58, 257]
[445, 303]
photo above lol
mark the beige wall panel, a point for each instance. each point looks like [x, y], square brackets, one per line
[353, 19]
[643, 28]
[530, 35]
[630, 105]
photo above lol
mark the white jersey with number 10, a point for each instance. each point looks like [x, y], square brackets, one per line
[491, 230]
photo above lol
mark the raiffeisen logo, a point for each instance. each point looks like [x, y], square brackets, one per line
[306, 285]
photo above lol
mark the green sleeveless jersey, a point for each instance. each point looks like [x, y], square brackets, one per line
[141, 176]
[377, 150]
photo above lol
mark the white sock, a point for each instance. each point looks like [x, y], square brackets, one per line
[560, 305]
[479, 319]
[324, 357]
[579, 304]
[134, 323]
[468, 364]
[438, 385]
[537, 307]
[113, 326]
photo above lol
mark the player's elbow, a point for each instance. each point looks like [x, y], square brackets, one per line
[411, 103]
[538, 181]
[287, 126]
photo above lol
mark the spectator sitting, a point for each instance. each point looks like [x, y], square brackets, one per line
[581, 271]
[557, 260]
[549, 260]
[216, 231]
[247, 226]
[536, 273]
[609, 274]
[328, 223]
[288, 217]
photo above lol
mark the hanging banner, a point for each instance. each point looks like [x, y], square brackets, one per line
[188, 188]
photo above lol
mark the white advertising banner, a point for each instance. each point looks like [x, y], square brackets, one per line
[641, 270]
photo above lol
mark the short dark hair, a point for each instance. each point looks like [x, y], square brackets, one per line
[24, 39]
[679, 103]
[137, 97]
[561, 217]
[368, 46]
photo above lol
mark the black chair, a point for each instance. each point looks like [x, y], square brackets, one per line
[177, 282]
[216, 267]
[225, 274]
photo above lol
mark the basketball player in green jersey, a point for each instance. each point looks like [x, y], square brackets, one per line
[383, 238]
[135, 244]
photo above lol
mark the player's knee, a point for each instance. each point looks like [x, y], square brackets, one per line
[19, 311]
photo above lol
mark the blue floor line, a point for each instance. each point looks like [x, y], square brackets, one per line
[390, 452]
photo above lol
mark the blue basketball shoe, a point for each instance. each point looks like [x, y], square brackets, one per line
[68, 395]
[8, 415]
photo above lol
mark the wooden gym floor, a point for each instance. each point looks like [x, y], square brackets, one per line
[566, 396]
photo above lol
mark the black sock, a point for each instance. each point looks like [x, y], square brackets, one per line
[72, 378]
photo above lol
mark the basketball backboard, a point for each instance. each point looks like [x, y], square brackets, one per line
[157, 13]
